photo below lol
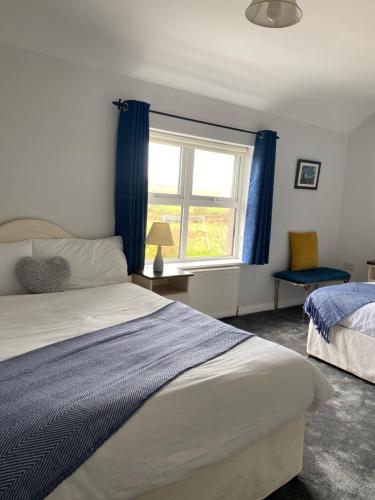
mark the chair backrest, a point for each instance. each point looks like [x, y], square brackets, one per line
[303, 250]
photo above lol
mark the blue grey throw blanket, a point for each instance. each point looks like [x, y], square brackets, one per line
[58, 404]
[329, 305]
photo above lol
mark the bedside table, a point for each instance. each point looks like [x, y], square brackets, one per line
[172, 284]
[371, 270]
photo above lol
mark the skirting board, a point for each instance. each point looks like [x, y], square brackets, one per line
[223, 314]
[268, 306]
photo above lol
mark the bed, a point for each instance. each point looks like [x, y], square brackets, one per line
[230, 428]
[352, 343]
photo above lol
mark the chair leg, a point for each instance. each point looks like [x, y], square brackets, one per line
[276, 295]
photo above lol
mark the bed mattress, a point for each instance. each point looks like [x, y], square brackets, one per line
[203, 416]
[348, 349]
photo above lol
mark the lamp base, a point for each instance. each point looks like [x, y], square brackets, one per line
[158, 262]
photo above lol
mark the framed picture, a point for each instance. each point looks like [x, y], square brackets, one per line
[307, 174]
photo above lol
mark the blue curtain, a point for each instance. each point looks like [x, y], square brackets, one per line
[257, 235]
[132, 180]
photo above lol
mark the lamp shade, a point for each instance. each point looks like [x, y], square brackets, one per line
[160, 234]
[274, 13]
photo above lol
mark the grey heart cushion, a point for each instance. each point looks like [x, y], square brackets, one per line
[47, 276]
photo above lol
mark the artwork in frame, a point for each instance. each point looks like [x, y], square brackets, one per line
[307, 174]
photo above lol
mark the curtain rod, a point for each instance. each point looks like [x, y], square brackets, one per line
[120, 104]
[218, 125]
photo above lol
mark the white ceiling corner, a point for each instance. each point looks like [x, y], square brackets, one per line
[320, 71]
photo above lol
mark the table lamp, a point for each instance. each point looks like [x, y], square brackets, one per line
[160, 234]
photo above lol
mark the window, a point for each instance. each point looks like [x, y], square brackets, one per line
[199, 188]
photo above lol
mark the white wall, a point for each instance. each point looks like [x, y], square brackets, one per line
[57, 143]
[357, 229]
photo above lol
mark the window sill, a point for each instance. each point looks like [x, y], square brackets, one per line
[206, 264]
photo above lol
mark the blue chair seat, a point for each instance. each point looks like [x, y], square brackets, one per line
[312, 276]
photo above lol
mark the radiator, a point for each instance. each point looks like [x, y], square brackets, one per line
[215, 291]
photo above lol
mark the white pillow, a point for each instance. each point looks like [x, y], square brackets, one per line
[10, 254]
[92, 263]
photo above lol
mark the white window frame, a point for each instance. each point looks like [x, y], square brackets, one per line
[185, 198]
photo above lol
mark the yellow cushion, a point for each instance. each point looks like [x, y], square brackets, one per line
[304, 250]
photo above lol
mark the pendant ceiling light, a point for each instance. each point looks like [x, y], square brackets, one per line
[274, 13]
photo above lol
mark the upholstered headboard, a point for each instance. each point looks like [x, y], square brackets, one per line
[27, 229]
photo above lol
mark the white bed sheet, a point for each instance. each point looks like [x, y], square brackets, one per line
[203, 416]
[362, 320]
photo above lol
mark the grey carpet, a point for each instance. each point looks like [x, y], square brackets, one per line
[339, 457]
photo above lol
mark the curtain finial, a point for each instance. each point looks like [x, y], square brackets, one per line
[121, 105]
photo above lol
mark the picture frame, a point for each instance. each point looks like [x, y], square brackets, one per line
[307, 174]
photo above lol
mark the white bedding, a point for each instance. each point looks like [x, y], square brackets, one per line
[362, 320]
[348, 349]
[201, 417]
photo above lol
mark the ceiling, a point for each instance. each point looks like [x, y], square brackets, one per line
[320, 71]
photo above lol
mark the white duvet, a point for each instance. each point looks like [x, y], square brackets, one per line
[362, 320]
[201, 417]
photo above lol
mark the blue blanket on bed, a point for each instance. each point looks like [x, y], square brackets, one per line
[327, 306]
[60, 403]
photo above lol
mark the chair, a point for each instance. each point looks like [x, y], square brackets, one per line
[306, 278]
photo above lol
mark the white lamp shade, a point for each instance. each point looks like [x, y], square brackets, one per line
[274, 13]
[160, 234]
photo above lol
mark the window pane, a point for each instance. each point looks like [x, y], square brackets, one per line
[163, 168]
[213, 174]
[165, 213]
[210, 232]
